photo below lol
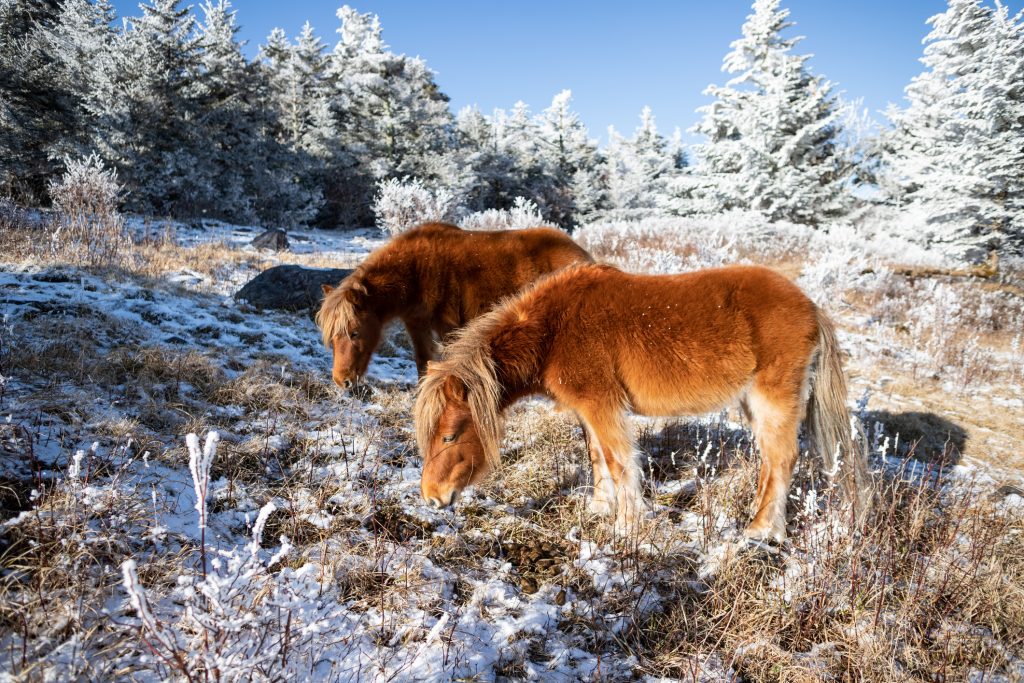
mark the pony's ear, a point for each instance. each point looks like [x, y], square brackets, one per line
[326, 288]
[356, 296]
[455, 389]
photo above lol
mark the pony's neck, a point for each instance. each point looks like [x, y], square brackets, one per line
[519, 349]
[387, 284]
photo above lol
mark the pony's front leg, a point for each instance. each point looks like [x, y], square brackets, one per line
[602, 502]
[610, 432]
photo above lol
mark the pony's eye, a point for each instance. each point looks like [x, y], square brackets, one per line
[448, 439]
[353, 335]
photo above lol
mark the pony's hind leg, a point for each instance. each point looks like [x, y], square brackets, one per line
[422, 343]
[775, 421]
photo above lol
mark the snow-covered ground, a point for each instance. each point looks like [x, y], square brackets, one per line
[321, 561]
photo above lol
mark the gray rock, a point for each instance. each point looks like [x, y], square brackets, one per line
[271, 239]
[291, 288]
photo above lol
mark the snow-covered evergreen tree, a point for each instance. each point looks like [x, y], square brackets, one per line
[229, 128]
[771, 129]
[147, 109]
[80, 42]
[389, 111]
[570, 162]
[34, 109]
[638, 170]
[488, 167]
[956, 152]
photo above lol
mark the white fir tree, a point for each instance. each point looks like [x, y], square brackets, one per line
[389, 110]
[36, 110]
[956, 152]
[638, 170]
[229, 128]
[772, 129]
[570, 160]
[145, 108]
[80, 42]
[488, 168]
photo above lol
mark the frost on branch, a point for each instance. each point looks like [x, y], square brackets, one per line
[403, 204]
[523, 214]
[199, 463]
[88, 224]
[238, 621]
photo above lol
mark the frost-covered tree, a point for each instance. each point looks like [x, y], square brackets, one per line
[297, 82]
[303, 122]
[639, 169]
[389, 110]
[80, 42]
[147, 110]
[34, 109]
[956, 152]
[771, 129]
[570, 161]
[489, 171]
[229, 127]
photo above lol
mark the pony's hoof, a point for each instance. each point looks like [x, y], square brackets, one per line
[628, 524]
[600, 507]
[774, 535]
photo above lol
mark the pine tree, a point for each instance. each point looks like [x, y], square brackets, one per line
[147, 110]
[639, 169]
[80, 42]
[957, 150]
[489, 168]
[388, 106]
[34, 109]
[570, 161]
[228, 129]
[772, 128]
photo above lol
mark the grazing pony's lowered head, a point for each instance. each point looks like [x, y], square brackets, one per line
[458, 424]
[350, 328]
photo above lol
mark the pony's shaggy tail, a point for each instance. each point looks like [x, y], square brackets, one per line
[843, 453]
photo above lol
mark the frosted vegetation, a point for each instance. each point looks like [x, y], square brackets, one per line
[290, 541]
[313, 134]
[185, 494]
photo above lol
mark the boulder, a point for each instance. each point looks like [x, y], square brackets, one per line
[291, 288]
[274, 239]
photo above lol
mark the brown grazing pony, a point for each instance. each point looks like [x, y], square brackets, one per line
[435, 278]
[602, 342]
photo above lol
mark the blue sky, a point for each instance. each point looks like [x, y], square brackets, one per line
[616, 57]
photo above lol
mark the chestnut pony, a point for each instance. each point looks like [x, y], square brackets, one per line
[435, 277]
[602, 342]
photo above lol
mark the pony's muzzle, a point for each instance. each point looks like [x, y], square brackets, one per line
[347, 383]
[441, 504]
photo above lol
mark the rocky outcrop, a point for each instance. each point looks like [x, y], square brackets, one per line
[292, 288]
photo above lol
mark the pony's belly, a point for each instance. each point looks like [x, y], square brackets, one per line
[667, 389]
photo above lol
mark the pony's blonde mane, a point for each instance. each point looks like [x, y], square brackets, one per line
[337, 313]
[467, 358]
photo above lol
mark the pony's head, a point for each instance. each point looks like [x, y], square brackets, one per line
[350, 328]
[457, 428]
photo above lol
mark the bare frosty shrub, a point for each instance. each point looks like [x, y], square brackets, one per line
[400, 204]
[677, 244]
[245, 617]
[89, 226]
[523, 214]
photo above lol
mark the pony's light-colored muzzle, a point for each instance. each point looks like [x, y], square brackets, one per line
[442, 502]
[346, 382]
